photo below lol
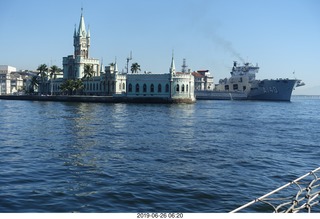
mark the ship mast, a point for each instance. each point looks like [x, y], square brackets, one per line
[184, 66]
[129, 59]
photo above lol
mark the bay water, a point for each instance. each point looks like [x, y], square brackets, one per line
[211, 156]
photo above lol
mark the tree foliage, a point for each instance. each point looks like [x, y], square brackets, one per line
[53, 71]
[88, 71]
[43, 70]
[135, 67]
[34, 83]
[72, 87]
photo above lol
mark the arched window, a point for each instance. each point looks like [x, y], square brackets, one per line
[182, 88]
[187, 88]
[151, 88]
[235, 86]
[178, 87]
[130, 87]
[137, 88]
[119, 86]
[159, 88]
[123, 86]
[167, 88]
[144, 88]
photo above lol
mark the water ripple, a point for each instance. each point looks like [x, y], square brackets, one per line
[212, 156]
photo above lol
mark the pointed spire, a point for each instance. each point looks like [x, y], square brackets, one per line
[82, 26]
[88, 34]
[115, 65]
[172, 67]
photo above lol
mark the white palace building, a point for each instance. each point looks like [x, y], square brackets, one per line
[173, 86]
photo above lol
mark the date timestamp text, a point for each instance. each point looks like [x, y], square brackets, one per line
[159, 215]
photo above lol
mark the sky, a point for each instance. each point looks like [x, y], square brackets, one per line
[282, 36]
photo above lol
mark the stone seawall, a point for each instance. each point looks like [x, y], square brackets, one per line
[97, 99]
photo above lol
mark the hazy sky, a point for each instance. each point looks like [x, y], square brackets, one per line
[282, 36]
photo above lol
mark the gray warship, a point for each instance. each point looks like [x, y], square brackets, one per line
[243, 85]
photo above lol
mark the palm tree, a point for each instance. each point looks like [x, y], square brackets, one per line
[53, 71]
[71, 86]
[34, 82]
[67, 86]
[88, 72]
[78, 85]
[135, 68]
[43, 69]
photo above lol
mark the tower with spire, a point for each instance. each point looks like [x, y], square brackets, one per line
[81, 39]
[172, 69]
[73, 65]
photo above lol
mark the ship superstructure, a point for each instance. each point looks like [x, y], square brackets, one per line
[243, 85]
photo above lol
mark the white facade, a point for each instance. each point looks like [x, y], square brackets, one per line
[5, 79]
[16, 82]
[114, 81]
[203, 80]
[172, 85]
[182, 86]
[148, 85]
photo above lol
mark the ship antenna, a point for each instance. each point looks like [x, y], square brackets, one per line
[128, 59]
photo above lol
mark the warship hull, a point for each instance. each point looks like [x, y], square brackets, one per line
[274, 90]
[271, 90]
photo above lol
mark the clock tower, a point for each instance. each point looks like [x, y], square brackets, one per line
[81, 39]
[74, 65]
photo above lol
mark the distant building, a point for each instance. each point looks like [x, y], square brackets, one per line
[5, 79]
[172, 85]
[73, 65]
[111, 82]
[115, 82]
[203, 80]
[13, 81]
[17, 82]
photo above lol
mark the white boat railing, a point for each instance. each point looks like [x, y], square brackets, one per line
[305, 199]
